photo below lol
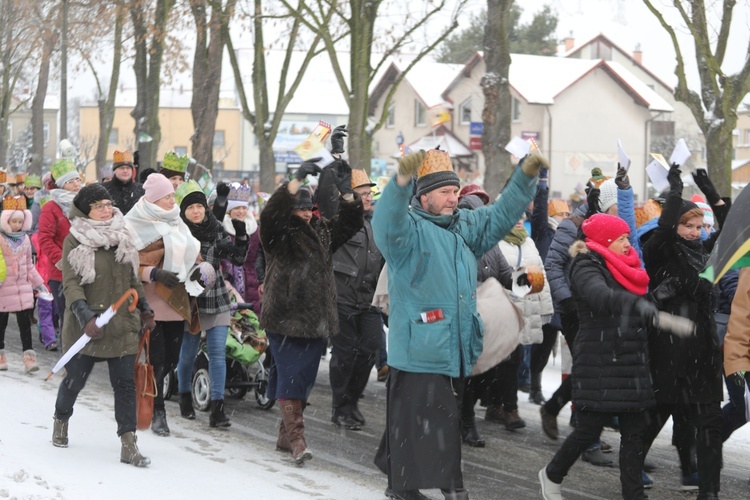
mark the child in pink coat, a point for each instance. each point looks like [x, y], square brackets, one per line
[22, 278]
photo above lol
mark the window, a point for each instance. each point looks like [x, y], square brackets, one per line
[516, 111]
[746, 134]
[390, 120]
[663, 128]
[419, 114]
[45, 134]
[180, 150]
[114, 137]
[218, 138]
[465, 112]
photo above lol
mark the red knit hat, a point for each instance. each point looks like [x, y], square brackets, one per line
[604, 229]
[476, 191]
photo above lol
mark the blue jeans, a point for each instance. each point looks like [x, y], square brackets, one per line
[216, 342]
[733, 413]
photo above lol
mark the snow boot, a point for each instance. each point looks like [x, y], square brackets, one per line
[29, 361]
[217, 417]
[294, 424]
[186, 406]
[159, 423]
[470, 434]
[60, 433]
[535, 395]
[129, 453]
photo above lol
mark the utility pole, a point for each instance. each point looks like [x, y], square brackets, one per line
[64, 73]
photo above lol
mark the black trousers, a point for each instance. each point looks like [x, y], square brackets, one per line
[564, 393]
[498, 386]
[632, 448]
[353, 353]
[707, 419]
[122, 378]
[540, 352]
[24, 327]
[166, 341]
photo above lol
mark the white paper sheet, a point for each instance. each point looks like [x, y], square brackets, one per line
[680, 154]
[658, 175]
[518, 147]
[624, 159]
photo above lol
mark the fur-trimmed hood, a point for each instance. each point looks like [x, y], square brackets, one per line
[578, 247]
[5, 216]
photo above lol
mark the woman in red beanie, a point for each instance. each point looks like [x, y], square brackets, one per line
[610, 358]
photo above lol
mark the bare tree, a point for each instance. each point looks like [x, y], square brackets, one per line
[715, 106]
[496, 115]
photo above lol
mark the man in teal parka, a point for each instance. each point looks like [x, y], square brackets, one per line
[432, 250]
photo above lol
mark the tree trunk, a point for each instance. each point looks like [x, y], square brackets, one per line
[719, 157]
[64, 72]
[496, 114]
[37, 104]
[107, 105]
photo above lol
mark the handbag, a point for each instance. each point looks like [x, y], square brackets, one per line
[145, 383]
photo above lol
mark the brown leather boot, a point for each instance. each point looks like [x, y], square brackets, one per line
[282, 443]
[294, 424]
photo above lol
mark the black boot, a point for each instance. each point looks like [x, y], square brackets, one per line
[159, 423]
[470, 434]
[186, 406]
[535, 395]
[217, 417]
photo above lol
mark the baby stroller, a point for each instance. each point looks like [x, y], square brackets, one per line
[246, 346]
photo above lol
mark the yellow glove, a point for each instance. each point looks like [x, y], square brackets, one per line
[409, 165]
[533, 162]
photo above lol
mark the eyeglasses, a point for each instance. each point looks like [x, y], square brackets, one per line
[102, 206]
[75, 180]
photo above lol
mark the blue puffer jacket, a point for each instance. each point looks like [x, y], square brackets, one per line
[558, 258]
[432, 264]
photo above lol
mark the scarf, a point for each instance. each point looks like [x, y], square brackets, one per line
[205, 231]
[64, 198]
[93, 235]
[626, 269]
[250, 224]
[694, 253]
[148, 223]
[516, 236]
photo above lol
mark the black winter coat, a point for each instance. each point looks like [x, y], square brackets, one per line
[687, 369]
[610, 355]
[124, 196]
[299, 297]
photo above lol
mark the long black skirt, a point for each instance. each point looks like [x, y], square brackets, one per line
[421, 445]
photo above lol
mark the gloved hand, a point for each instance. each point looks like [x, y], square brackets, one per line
[533, 162]
[222, 190]
[647, 311]
[91, 329]
[308, 167]
[166, 278]
[675, 181]
[706, 186]
[147, 320]
[240, 228]
[738, 379]
[621, 179]
[40, 289]
[343, 177]
[409, 165]
[337, 139]
[568, 307]
[523, 280]
[592, 197]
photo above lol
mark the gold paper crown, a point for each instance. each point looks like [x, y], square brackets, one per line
[650, 210]
[435, 160]
[14, 203]
[185, 189]
[62, 167]
[360, 178]
[10, 178]
[122, 158]
[20, 178]
[3, 175]
[557, 206]
[33, 180]
[175, 163]
[238, 192]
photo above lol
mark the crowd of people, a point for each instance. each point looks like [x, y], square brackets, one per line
[332, 267]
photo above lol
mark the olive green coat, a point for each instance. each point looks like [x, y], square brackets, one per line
[120, 335]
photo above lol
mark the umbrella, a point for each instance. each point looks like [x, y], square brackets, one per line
[101, 320]
[732, 247]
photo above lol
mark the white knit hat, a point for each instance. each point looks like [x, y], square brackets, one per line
[607, 194]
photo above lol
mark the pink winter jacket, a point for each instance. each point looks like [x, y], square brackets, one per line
[16, 292]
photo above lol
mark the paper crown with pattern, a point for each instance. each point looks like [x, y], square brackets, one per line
[360, 178]
[557, 206]
[175, 163]
[435, 160]
[185, 189]
[650, 210]
[240, 193]
[61, 167]
[33, 181]
[20, 178]
[120, 158]
[14, 202]
[3, 175]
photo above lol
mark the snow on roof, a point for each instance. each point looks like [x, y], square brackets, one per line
[539, 79]
[429, 79]
[654, 100]
[446, 140]
[740, 163]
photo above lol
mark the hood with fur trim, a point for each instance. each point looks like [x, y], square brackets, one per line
[5, 216]
[577, 248]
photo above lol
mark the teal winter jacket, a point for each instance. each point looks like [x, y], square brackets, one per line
[432, 264]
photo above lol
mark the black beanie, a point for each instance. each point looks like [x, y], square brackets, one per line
[193, 198]
[89, 195]
[688, 206]
[303, 200]
[435, 180]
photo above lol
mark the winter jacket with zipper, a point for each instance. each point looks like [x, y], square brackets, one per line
[610, 355]
[17, 287]
[124, 196]
[558, 259]
[432, 264]
[737, 341]
[54, 226]
[299, 298]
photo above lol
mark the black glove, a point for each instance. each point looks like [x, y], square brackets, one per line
[706, 186]
[240, 229]
[543, 174]
[621, 179]
[343, 177]
[222, 190]
[675, 181]
[147, 320]
[91, 329]
[337, 139]
[166, 278]
[523, 280]
[737, 379]
[647, 311]
[592, 197]
[568, 307]
[196, 275]
[308, 167]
